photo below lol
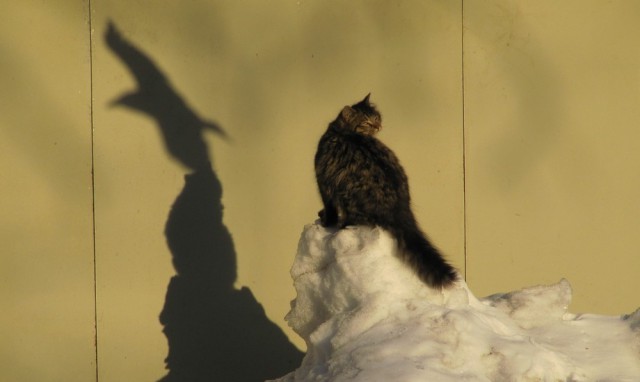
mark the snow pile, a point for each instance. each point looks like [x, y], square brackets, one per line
[366, 317]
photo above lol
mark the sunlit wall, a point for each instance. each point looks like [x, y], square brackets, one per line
[516, 121]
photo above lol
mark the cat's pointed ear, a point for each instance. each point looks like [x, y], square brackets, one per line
[346, 113]
[366, 100]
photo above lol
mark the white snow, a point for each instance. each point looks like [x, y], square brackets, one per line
[366, 317]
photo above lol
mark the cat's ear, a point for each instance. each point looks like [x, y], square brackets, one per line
[364, 104]
[346, 113]
[347, 116]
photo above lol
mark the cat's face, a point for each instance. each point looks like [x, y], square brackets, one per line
[362, 118]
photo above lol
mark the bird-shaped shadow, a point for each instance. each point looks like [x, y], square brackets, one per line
[181, 128]
[215, 332]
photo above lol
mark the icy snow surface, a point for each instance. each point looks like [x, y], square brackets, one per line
[366, 317]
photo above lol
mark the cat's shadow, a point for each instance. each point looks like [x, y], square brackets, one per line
[215, 332]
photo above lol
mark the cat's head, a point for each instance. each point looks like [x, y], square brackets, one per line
[362, 118]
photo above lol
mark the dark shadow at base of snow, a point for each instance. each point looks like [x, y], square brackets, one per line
[215, 332]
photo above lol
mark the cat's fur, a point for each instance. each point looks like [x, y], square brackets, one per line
[361, 182]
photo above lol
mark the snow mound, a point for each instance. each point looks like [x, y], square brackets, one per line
[366, 317]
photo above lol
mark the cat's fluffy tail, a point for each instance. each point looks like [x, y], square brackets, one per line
[423, 257]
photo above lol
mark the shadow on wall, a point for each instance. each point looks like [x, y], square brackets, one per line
[215, 332]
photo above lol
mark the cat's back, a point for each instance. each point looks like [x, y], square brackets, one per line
[349, 150]
[358, 159]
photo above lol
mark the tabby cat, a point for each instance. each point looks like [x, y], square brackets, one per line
[361, 182]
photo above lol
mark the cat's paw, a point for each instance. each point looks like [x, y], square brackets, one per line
[327, 220]
[323, 218]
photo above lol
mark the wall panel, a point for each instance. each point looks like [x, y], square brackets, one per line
[46, 241]
[551, 117]
[272, 75]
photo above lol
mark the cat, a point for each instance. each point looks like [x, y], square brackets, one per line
[361, 182]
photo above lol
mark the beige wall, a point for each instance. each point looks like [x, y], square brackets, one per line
[523, 166]
[552, 96]
[46, 242]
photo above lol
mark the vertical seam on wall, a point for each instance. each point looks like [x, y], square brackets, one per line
[464, 146]
[93, 190]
